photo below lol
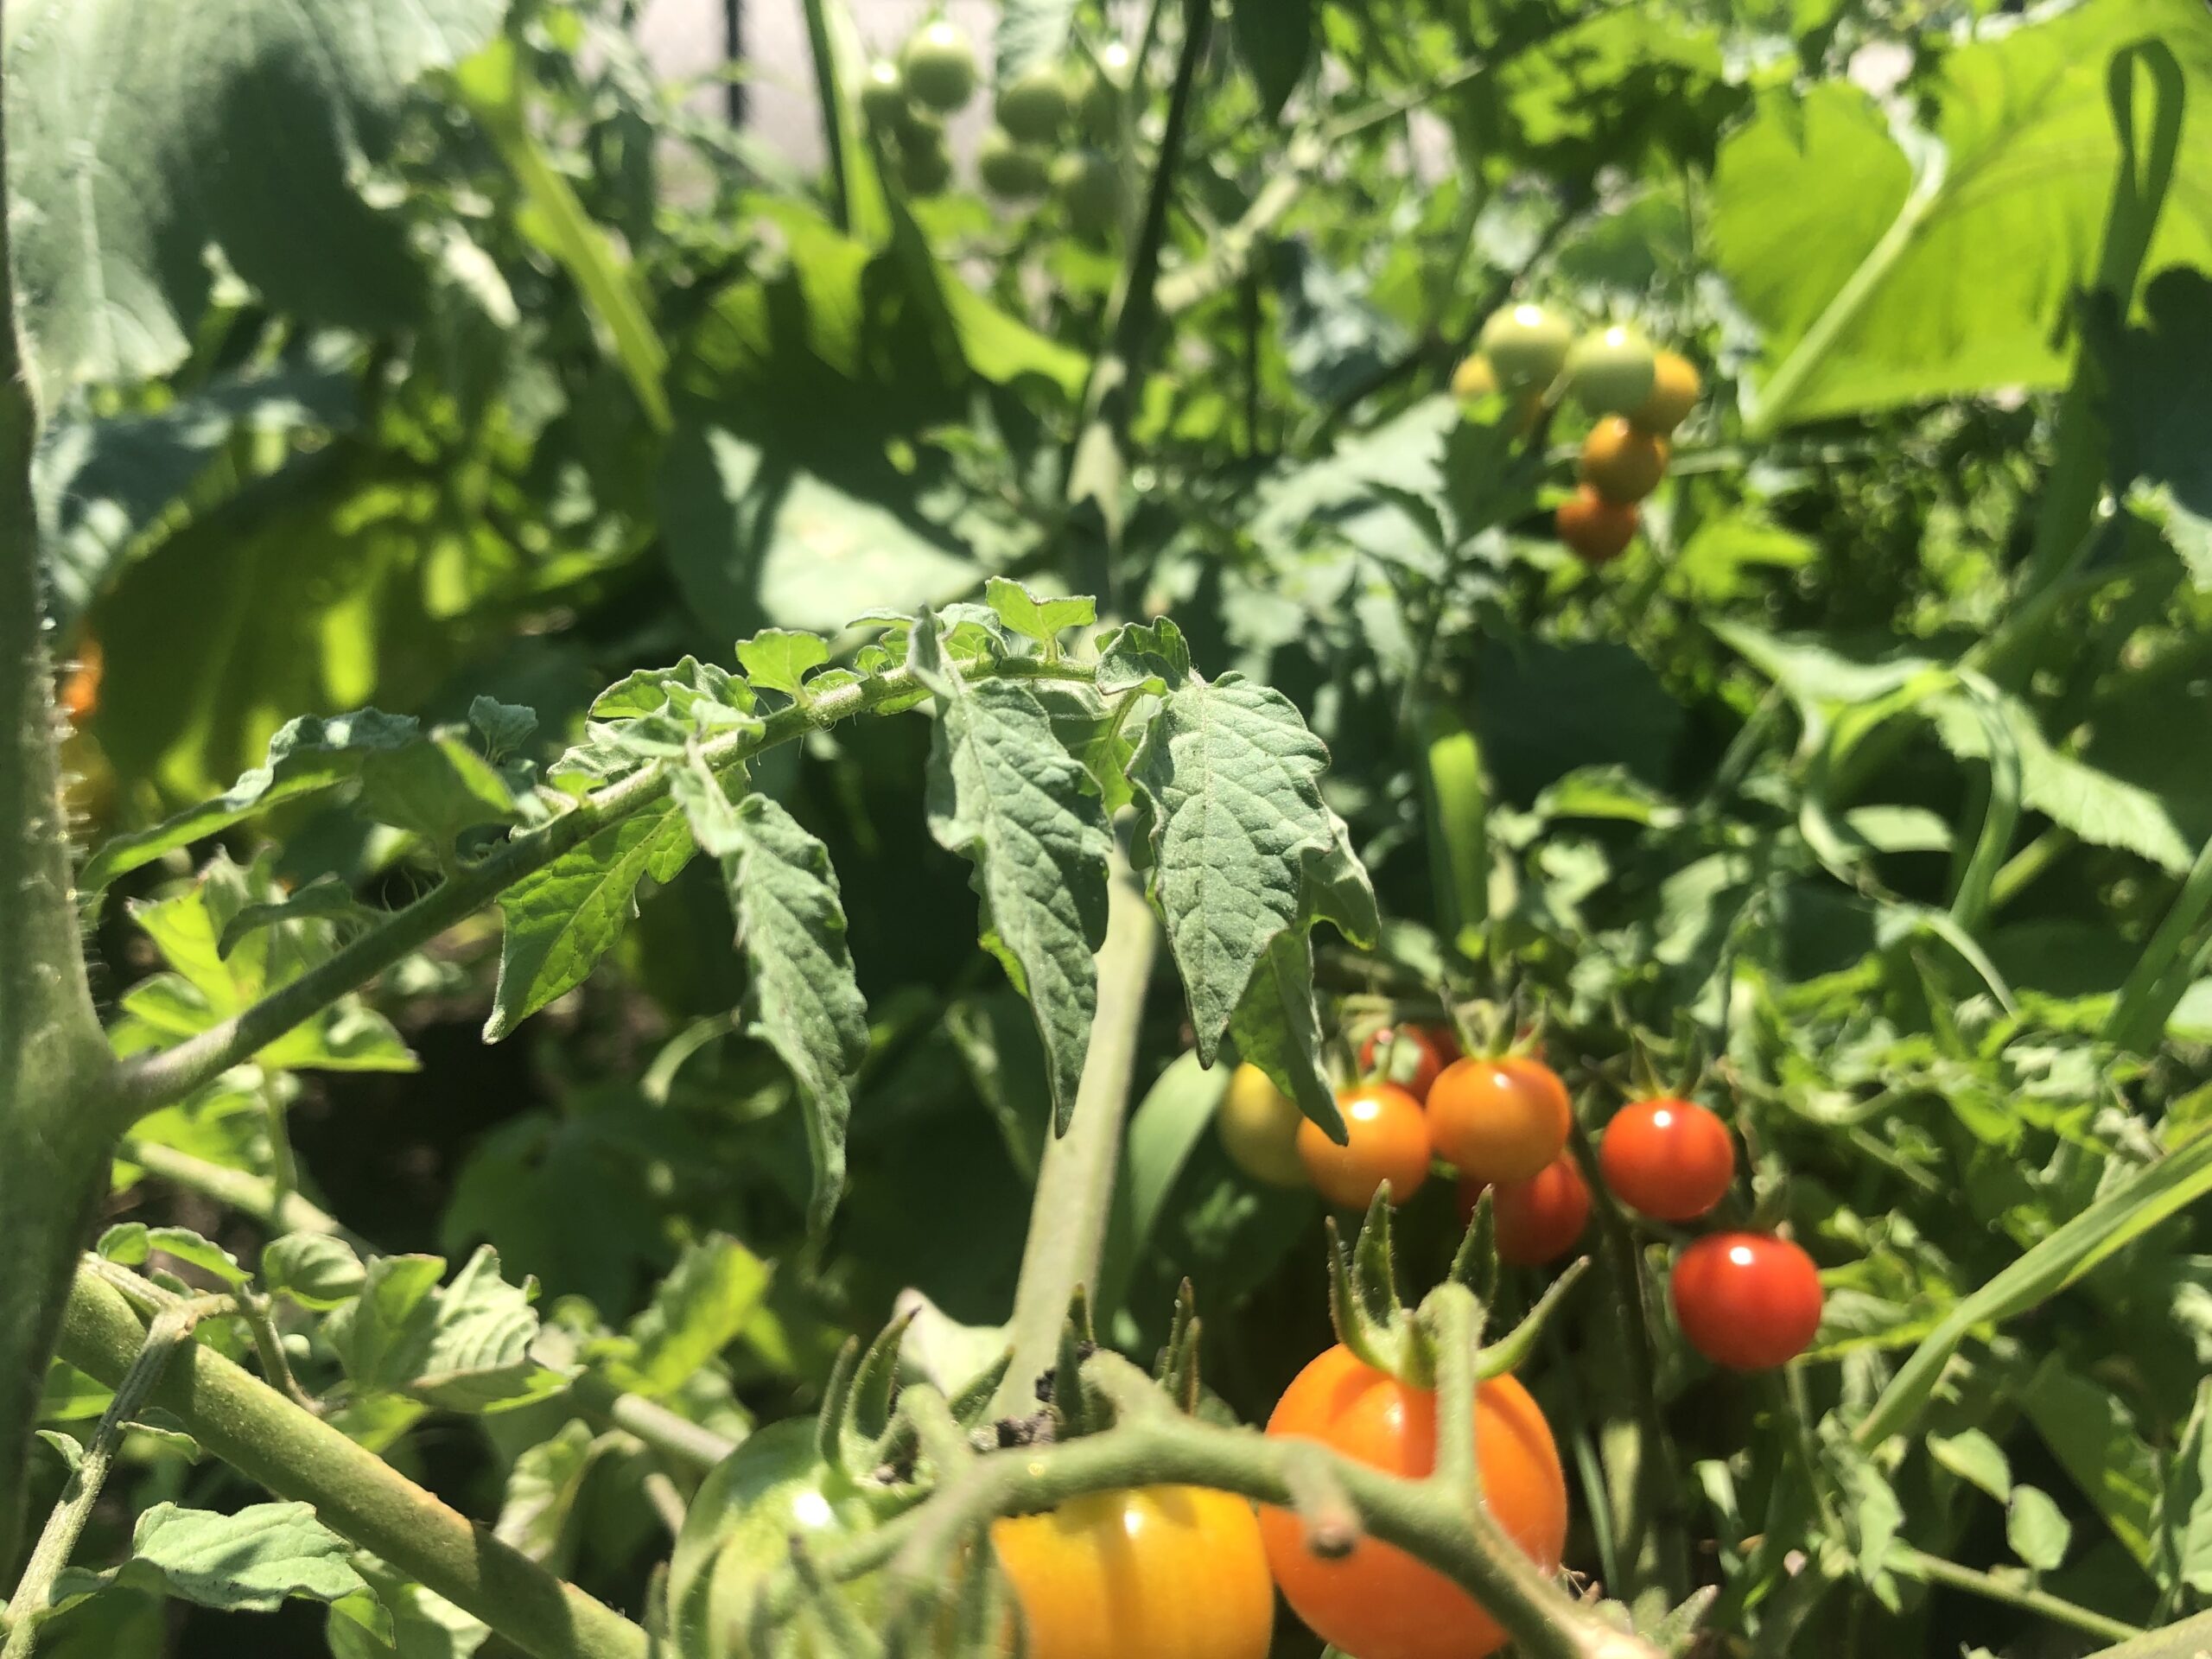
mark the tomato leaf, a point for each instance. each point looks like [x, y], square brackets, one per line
[707, 1301]
[1275, 40]
[247, 1561]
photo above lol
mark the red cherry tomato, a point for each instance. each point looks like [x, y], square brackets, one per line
[1749, 1301]
[1389, 1142]
[1539, 1219]
[1499, 1120]
[1378, 1602]
[1410, 1056]
[1670, 1158]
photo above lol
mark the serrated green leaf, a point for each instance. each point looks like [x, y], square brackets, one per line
[709, 1297]
[2090, 1433]
[140, 139]
[558, 921]
[325, 898]
[1042, 620]
[543, 1490]
[251, 1560]
[383, 1334]
[780, 659]
[202, 1253]
[2038, 1533]
[1150, 656]
[308, 755]
[477, 1353]
[504, 726]
[1007, 797]
[803, 1000]
[1230, 779]
[435, 789]
[1974, 1458]
[313, 1269]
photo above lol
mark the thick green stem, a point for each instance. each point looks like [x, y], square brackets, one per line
[1075, 1183]
[55, 1072]
[158, 1080]
[1933, 1569]
[262, 1434]
[256, 1195]
[2189, 1639]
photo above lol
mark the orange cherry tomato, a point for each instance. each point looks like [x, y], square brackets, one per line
[1500, 1120]
[1597, 530]
[1749, 1301]
[1671, 1160]
[79, 695]
[1621, 461]
[1674, 387]
[1410, 1056]
[1539, 1219]
[1389, 1142]
[1378, 1602]
[1167, 1571]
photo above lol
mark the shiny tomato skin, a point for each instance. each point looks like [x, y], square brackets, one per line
[1258, 1126]
[1389, 1142]
[1410, 1056]
[1166, 1572]
[1621, 461]
[1537, 1220]
[1378, 1602]
[1670, 1160]
[1498, 1120]
[1748, 1301]
[1675, 388]
[1596, 531]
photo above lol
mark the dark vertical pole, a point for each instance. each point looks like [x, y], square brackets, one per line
[734, 51]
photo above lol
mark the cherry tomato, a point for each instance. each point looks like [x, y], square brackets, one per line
[1610, 372]
[1674, 387]
[1526, 345]
[1089, 183]
[883, 93]
[1410, 1056]
[925, 163]
[1389, 1142]
[1034, 105]
[1009, 169]
[1596, 529]
[1378, 1602]
[1538, 1220]
[1098, 106]
[1167, 1571]
[1623, 462]
[1258, 1125]
[1746, 1300]
[1672, 1159]
[940, 66]
[1499, 1120]
[738, 1529]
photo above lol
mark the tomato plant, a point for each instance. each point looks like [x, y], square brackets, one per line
[714, 750]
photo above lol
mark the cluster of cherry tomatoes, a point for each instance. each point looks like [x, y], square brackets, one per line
[1743, 1300]
[1638, 396]
[1020, 159]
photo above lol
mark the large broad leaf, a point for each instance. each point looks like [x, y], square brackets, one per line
[248, 1561]
[141, 132]
[560, 920]
[755, 541]
[804, 1001]
[1007, 797]
[1275, 40]
[1884, 279]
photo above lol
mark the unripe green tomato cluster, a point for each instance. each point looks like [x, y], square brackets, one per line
[910, 132]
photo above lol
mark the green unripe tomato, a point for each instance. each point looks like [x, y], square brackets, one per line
[1098, 107]
[940, 66]
[1034, 105]
[925, 163]
[1611, 371]
[1090, 185]
[1526, 343]
[883, 93]
[1008, 169]
[737, 1532]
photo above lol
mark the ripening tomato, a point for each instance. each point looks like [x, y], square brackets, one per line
[1537, 1220]
[1166, 1572]
[1611, 371]
[1526, 345]
[1258, 1126]
[1746, 1300]
[1378, 1602]
[1410, 1056]
[1597, 530]
[1671, 1160]
[939, 66]
[1034, 104]
[1389, 1142]
[1499, 1120]
[1674, 387]
[1621, 461]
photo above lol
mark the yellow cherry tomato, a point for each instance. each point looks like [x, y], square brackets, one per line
[1258, 1125]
